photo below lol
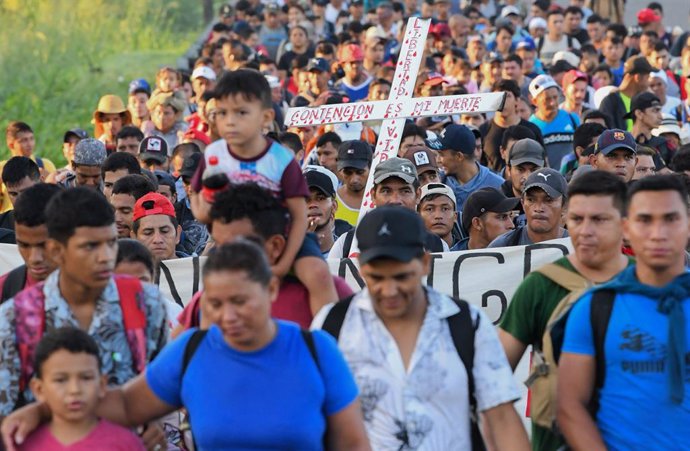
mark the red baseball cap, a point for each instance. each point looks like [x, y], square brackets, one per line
[572, 76]
[440, 30]
[434, 79]
[153, 204]
[197, 135]
[646, 15]
[351, 53]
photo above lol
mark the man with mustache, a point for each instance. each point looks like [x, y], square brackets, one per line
[544, 200]
[322, 207]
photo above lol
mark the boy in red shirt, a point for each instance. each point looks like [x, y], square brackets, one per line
[69, 381]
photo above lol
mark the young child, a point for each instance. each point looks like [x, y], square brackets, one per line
[167, 80]
[243, 108]
[68, 380]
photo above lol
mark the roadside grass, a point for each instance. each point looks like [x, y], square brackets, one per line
[60, 56]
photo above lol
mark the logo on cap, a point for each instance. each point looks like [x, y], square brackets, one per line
[421, 158]
[546, 176]
[406, 169]
[350, 151]
[153, 144]
[384, 230]
[618, 136]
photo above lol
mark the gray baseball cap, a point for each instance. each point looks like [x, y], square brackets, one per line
[90, 152]
[527, 151]
[395, 167]
[549, 180]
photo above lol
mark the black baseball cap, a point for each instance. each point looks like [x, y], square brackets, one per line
[318, 177]
[153, 148]
[614, 139]
[390, 232]
[226, 11]
[549, 180]
[190, 164]
[78, 132]
[638, 65]
[486, 200]
[318, 65]
[458, 138]
[642, 101]
[354, 154]
[526, 151]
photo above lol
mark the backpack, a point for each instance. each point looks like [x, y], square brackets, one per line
[14, 283]
[540, 44]
[543, 378]
[29, 308]
[462, 331]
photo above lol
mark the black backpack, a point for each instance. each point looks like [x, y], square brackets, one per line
[462, 331]
[14, 283]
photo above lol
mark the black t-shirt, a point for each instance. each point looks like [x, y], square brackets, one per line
[492, 135]
[285, 62]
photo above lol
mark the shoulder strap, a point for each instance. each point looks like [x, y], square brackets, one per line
[572, 121]
[191, 347]
[131, 294]
[570, 41]
[599, 316]
[335, 318]
[462, 331]
[347, 245]
[39, 162]
[569, 280]
[309, 341]
[29, 311]
[14, 283]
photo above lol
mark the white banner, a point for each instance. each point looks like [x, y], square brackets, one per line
[394, 109]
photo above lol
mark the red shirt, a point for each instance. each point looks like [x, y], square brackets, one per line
[292, 303]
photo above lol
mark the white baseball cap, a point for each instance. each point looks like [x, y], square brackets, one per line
[540, 84]
[204, 72]
[661, 75]
[536, 22]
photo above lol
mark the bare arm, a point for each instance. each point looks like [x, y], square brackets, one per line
[200, 208]
[504, 428]
[346, 430]
[513, 347]
[298, 229]
[576, 373]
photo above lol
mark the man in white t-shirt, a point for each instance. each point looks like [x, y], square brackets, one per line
[410, 348]
[555, 39]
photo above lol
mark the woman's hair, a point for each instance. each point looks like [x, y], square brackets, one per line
[240, 255]
[132, 251]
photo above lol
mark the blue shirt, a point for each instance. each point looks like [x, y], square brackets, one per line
[635, 411]
[273, 398]
[558, 136]
[482, 179]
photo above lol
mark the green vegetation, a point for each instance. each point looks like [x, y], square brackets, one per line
[60, 56]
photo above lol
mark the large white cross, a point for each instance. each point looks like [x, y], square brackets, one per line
[398, 107]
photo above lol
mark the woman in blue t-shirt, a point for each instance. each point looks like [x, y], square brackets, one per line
[249, 382]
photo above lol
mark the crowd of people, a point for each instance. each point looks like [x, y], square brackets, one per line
[591, 144]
